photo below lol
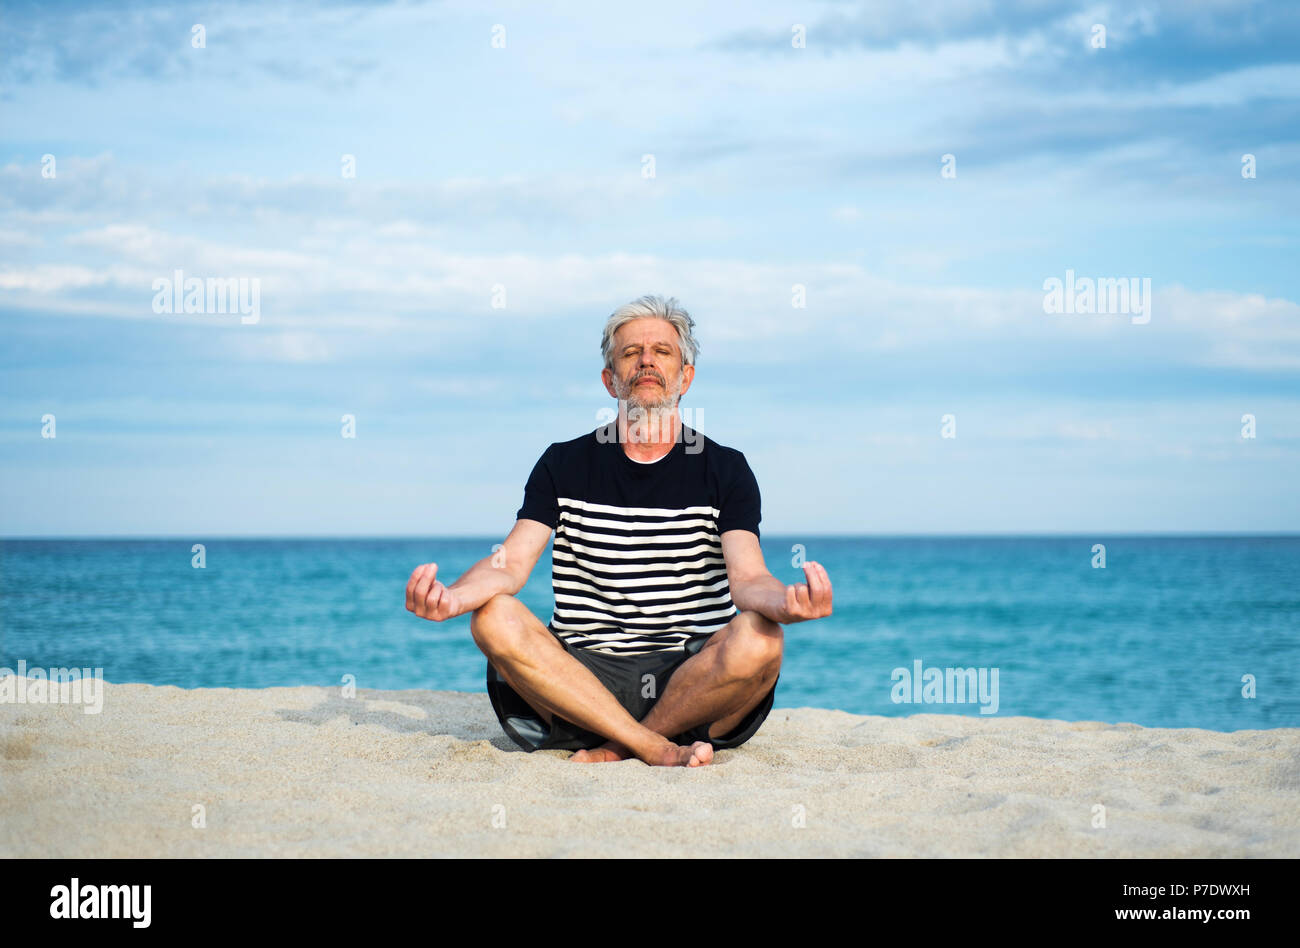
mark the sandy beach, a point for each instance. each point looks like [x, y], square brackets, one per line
[307, 772]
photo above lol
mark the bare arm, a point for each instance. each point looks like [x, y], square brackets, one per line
[753, 587]
[505, 571]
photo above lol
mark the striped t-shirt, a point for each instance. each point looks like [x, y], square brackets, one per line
[637, 562]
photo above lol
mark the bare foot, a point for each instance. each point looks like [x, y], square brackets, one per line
[674, 755]
[606, 753]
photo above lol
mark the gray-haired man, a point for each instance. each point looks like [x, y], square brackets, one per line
[666, 639]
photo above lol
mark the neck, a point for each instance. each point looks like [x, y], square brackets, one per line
[648, 434]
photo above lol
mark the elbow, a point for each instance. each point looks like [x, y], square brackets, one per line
[740, 594]
[515, 583]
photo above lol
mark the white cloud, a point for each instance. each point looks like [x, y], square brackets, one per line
[742, 307]
[53, 278]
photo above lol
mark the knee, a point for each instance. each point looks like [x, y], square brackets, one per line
[755, 647]
[495, 625]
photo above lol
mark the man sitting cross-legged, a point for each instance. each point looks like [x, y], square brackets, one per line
[666, 640]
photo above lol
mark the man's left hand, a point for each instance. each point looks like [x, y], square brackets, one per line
[810, 600]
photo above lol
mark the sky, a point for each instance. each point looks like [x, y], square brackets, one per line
[861, 205]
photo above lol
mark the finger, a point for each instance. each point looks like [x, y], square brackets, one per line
[435, 595]
[423, 586]
[444, 608]
[792, 601]
[814, 574]
[410, 587]
[819, 587]
[830, 593]
[420, 589]
[800, 591]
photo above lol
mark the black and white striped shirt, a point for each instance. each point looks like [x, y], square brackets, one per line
[637, 561]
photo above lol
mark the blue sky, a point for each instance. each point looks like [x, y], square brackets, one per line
[522, 167]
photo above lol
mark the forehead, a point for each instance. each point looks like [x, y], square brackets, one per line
[645, 330]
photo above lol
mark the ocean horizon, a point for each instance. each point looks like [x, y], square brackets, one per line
[1174, 630]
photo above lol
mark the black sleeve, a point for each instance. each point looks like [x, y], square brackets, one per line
[741, 505]
[540, 501]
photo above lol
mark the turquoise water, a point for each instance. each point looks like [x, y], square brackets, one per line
[1162, 636]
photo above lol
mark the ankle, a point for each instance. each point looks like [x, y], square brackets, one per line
[652, 748]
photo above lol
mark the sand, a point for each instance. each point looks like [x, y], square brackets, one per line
[308, 772]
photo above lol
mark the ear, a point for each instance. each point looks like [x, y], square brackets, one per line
[607, 377]
[688, 376]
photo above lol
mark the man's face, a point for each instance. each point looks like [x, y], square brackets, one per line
[648, 371]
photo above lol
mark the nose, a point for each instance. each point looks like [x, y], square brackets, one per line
[646, 366]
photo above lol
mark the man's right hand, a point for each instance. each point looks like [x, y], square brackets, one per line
[430, 599]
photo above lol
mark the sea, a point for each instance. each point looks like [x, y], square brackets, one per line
[1199, 632]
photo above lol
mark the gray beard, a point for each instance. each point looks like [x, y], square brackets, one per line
[649, 420]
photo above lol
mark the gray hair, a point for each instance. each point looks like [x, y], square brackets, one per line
[654, 307]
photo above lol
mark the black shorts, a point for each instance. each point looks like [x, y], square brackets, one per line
[623, 676]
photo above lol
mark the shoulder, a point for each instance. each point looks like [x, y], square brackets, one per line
[574, 449]
[727, 459]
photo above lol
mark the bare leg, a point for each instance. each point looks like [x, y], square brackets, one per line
[719, 685]
[529, 658]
